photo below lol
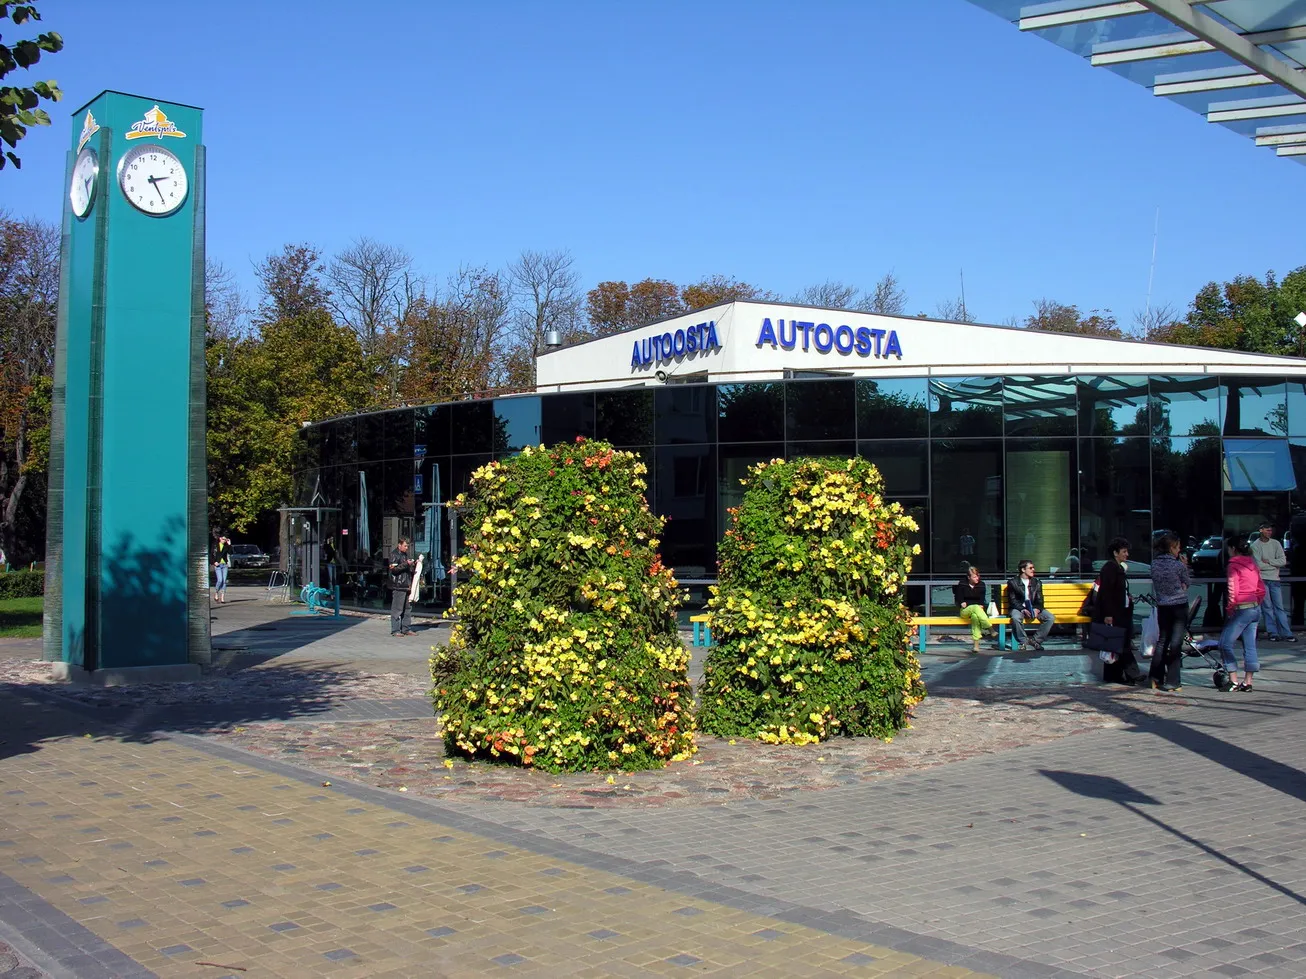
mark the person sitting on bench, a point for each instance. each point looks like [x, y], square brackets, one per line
[972, 594]
[1025, 599]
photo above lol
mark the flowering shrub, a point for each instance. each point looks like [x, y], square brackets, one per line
[566, 654]
[812, 633]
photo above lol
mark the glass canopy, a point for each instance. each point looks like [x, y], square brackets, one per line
[1238, 62]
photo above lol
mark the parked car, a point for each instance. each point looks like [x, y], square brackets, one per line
[1208, 560]
[248, 556]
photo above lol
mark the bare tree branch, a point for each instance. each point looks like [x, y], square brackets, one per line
[372, 288]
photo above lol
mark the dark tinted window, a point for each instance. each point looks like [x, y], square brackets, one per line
[685, 413]
[371, 436]
[1115, 497]
[1039, 406]
[1113, 406]
[820, 410]
[1186, 486]
[565, 416]
[516, 424]
[966, 508]
[1255, 406]
[750, 412]
[892, 408]
[1041, 502]
[685, 492]
[431, 429]
[1187, 406]
[904, 465]
[398, 434]
[965, 407]
[624, 418]
[472, 426]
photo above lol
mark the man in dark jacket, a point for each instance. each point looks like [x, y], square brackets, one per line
[401, 580]
[1025, 599]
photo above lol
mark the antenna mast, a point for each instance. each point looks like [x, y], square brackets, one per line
[1151, 275]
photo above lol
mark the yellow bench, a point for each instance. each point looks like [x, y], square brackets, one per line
[1062, 598]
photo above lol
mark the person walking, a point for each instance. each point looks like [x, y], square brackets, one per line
[1025, 599]
[401, 579]
[1269, 557]
[1243, 610]
[1115, 607]
[971, 594]
[1170, 581]
[221, 567]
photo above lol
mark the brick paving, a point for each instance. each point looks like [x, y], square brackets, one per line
[1032, 823]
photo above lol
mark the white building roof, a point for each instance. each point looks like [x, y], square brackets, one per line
[758, 341]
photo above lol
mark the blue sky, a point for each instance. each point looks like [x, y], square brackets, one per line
[782, 143]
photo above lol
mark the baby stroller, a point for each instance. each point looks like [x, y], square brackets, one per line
[1205, 649]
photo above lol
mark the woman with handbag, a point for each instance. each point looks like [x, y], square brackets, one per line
[971, 594]
[1115, 608]
[1170, 581]
[1242, 613]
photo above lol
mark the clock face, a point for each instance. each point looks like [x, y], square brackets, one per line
[81, 193]
[153, 180]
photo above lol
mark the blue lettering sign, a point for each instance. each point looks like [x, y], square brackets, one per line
[864, 341]
[684, 342]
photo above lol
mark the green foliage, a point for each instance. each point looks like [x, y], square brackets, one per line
[1245, 314]
[20, 105]
[260, 390]
[812, 633]
[22, 584]
[566, 655]
[20, 618]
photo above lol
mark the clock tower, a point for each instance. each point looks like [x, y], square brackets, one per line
[126, 585]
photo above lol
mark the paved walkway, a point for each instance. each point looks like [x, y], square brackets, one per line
[1169, 843]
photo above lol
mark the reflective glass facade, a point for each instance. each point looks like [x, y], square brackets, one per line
[995, 469]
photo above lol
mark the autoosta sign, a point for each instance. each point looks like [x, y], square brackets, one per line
[777, 333]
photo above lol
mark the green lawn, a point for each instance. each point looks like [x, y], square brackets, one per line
[20, 618]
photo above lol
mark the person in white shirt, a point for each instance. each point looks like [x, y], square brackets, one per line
[1269, 557]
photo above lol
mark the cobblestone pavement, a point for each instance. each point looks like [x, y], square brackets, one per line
[1031, 823]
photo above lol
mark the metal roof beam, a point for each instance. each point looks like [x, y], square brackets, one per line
[1080, 15]
[1240, 47]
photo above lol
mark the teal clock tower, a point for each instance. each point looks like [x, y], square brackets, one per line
[126, 551]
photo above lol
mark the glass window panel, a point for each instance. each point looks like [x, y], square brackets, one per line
[1113, 406]
[684, 492]
[1245, 512]
[821, 450]
[461, 469]
[516, 424]
[1039, 406]
[1115, 498]
[905, 466]
[431, 428]
[750, 412]
[1257, 465]
[1186, 487]
[401, 478]
[1296, 391]
[370, 528]
[398, 434]
[733, 463]
[371, 436]
[820, 410]
[1186, 406]
[340, 441]
[1255, 405]
[306, 451]
[1042, 511]
[563, 417]
[685, 413]
[624, 418]
[966, 506]
[471, 426]
[892, 408]
[918, 510]
[965, 407]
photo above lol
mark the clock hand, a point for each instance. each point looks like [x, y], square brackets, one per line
[154, 182]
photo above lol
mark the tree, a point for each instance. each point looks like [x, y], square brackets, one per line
[954, 310]
[1155, 321]
[546, 298]
[225, 309]
[29, 294]
[718, 289]
[1243, 313]
[1059, 318]
[616, 306]
[261, 390]
[20, 105]
[454, 343]
[373, 287]
[886, 298]
[292, 283]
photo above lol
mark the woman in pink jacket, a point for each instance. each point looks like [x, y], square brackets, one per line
[1242, 613]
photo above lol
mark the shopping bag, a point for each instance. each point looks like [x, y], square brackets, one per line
[1151, 634]
[992, 610]
[1105, 638]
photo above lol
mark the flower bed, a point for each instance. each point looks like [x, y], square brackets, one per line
[812, 633]
[566, 655]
